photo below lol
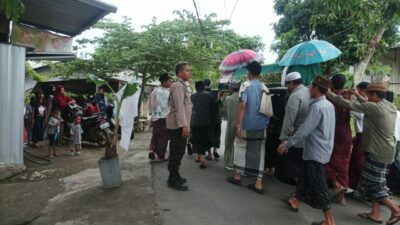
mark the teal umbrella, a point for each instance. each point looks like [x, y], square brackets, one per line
[310, 52]
[266, 69]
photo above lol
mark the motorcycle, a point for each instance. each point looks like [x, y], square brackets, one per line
[96, 128]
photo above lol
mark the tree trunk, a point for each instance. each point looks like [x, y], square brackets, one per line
[4, 29]
[363, 64]
[144, 81]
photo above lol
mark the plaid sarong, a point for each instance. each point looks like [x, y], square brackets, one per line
[249, 155]
[312, 186]
[372, 184]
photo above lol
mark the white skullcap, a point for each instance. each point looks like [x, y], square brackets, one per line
[292, 76]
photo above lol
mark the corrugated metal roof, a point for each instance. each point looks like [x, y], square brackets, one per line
[69, 17]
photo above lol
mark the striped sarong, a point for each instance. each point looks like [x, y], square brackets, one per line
[250, 152]
[372, 184]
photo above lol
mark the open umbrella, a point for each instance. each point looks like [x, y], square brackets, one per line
[310, 52]
[238, 59]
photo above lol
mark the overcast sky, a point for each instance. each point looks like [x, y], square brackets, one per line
[250, 17]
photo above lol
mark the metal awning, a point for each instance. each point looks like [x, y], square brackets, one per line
[70, 17]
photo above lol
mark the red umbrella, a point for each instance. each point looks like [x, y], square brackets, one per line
[238, 59]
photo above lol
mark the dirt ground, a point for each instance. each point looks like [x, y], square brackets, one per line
[69, 190]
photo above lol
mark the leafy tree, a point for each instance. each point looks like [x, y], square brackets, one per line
[374, 26]
[349, 25]
[9, 10]
[156, 49]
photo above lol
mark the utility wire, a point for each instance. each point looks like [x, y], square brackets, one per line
[233, 10]
[201, 24]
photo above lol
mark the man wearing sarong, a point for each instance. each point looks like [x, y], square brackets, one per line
[158, 107]
[251, 131]
[215, 126]
[201, 119]
[393, 178]
[317, 134]
[178, 122]
[337, 170]
[232, 108]
[296, 111]
[357, 153]
[379, 142]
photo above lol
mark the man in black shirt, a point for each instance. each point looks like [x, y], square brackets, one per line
[201, 120]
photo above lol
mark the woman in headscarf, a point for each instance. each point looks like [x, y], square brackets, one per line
[61, 102]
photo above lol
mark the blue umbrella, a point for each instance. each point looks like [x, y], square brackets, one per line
[310, 52]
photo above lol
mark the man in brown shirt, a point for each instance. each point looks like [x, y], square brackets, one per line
[178, 123]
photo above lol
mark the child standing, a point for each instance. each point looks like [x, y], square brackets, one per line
[76, 134]
[52, 131]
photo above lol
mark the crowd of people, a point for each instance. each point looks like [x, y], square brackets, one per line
[317, 149]
[47, 114]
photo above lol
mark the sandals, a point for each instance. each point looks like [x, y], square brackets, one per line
[152, 156]
[256, 190]
[285, 199]
[216, 155]
[368, 217]
[234, 181]
[342, 203]
[396, 219]
[317, 223]
[202, 166]
[338, 192]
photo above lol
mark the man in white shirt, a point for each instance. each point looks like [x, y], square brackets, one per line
[358, 153]
[158, 107]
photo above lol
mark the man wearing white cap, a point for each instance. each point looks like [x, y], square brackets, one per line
[295, 114]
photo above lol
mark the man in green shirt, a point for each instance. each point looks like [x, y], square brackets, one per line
[232, 109]
[379, 142]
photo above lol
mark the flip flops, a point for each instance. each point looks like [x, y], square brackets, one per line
[396, 220]
[216, 155]
[317, 223]
[285, 199]
[256, 190]
[232, 180]
[152, 156]
[338, 192]
[368, 217]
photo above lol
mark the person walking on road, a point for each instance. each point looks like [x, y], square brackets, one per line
[357, 152]
[337, 170]
[379, 142]
[251, 131]
[317, 134]
[201, 120]
[215, 126]
[296, 112]
[232, 109]
[158, 107]
[178, 122]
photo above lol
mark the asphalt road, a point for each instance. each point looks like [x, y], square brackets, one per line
[212, 200]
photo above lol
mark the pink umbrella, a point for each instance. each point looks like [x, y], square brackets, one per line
[238, 59]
